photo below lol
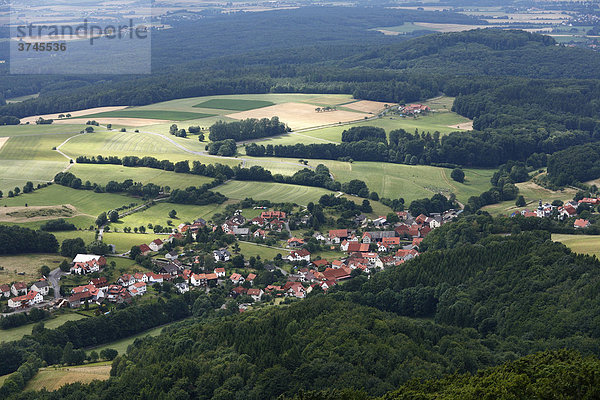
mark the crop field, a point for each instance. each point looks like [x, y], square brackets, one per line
[53, 378]
[276, 192]
[169, 115]
[532, 193]
[159, 214]
[394, 180]
[584, 244]
[301, 115]
[25, 267]
[85, 201]
[234, 104]
[101, 174]
[17, 333]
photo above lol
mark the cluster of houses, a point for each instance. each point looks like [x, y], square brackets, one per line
[413, 109]
[21, 296]
[274, 221]
[567, 210]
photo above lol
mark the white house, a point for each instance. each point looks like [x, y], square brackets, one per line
[299, 255]
[182, 287]
[27, 300]
[18, 289]
[156, 245]
[42, 287]
[256, 294]
[137, 289]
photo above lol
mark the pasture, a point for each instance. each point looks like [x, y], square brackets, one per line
[26, 267]
[584, 244]
[9, 335]
[53, 378]
[234, 104]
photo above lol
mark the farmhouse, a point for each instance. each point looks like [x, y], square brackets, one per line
[86, 267]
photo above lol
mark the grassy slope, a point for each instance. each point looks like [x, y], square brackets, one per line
[52, 378]
[86, 201]
[159, 214]
[10, 335]
[121, 345]
[265, 253]
[394, 180]
[585, 244]
[124, 241]
[26, 264]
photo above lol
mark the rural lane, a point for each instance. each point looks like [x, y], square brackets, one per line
[54, 279]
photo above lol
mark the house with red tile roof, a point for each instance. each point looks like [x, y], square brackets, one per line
[581, 223]
[295, 242]
[26, 300]
[273, 215]
[337, 235]
[256, 294]
[5, 290]
[156, 245]
[145, 249]
[236, 278]
[337, 274]
[294, 289]
[18, 289]
[320, 263]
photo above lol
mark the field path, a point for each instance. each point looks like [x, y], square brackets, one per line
[70, 164]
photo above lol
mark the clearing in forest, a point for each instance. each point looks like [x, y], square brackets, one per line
[53, 378]
[234, 104]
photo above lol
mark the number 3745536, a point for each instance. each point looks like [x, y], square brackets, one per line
[49, 46]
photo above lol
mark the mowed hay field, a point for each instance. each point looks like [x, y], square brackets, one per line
[234, 104]
[275, 192]
[584, 244]
[410, 182]
[53, 378]
[26, 267]
[125, 241]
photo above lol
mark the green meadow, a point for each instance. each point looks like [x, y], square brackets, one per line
[583, 244]
[124, 241]
[275, 192]
[159, 214]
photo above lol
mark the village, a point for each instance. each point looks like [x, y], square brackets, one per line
[175, 264]
[572, 209]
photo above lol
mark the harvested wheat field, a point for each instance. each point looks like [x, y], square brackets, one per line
[79, 113]
[367, 106]
[115, 121]
[300, 116]
[52, 378]
[3, 140]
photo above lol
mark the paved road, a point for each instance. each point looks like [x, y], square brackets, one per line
[54, 279]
